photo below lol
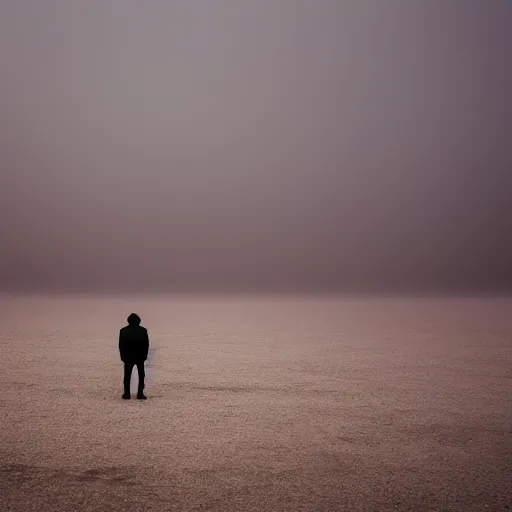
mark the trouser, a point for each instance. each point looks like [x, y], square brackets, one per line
[128, 367]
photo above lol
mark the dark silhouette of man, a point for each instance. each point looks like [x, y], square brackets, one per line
[133, 348]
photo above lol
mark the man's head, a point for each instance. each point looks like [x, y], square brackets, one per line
[134, 319]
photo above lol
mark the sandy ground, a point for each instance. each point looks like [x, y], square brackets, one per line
[258, 405]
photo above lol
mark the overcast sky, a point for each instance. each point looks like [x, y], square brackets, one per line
[287, 145]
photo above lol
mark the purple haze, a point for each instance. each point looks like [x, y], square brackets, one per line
[228, 145]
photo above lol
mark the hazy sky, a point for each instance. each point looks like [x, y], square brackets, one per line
[255, 144]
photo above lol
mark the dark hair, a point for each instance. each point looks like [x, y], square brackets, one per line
[134, 319]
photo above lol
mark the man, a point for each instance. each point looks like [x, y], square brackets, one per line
[133, 348]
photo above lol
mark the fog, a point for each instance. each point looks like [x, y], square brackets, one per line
[231, 145]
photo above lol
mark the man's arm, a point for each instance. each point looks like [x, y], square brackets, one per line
[146, 345]
[122, 345]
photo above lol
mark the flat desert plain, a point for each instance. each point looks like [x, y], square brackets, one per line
[258, 404]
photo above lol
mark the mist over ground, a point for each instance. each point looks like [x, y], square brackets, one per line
[255, 146]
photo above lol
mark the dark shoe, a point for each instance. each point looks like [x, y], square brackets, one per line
[141, 396]
[127, 396]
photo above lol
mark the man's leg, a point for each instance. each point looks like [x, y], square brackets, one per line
[128, 367]
[142, 375]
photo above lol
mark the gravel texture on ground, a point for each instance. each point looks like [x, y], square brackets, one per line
[258, 404]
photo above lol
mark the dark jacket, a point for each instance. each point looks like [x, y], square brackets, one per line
[133, 343]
